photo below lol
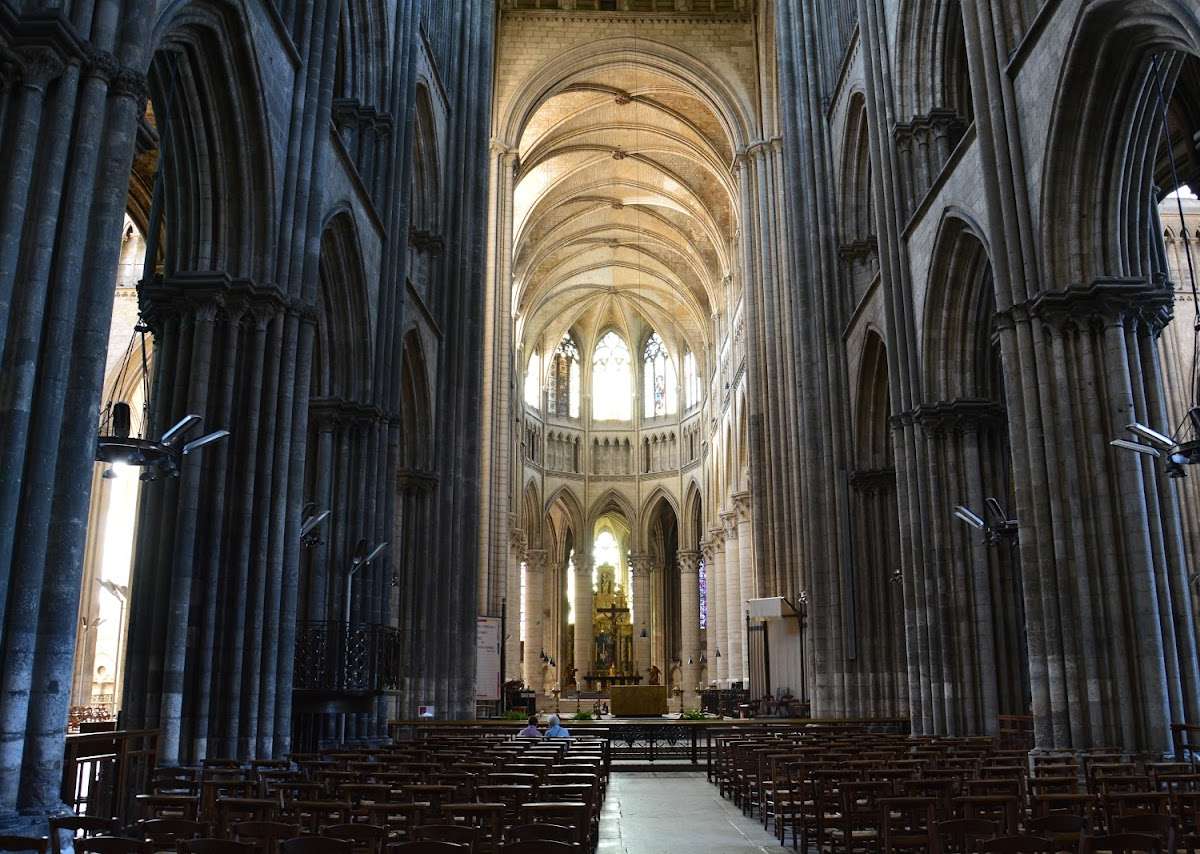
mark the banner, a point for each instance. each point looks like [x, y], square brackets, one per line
[488, 643]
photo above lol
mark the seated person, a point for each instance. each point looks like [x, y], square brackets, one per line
[557, 730]
[531, 729]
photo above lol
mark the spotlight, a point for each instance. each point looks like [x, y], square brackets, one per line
[970, 518]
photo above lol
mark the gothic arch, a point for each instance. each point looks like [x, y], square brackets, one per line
[218, 157]
[612, 501]
[650, 509]
[692, 520]
[1097, 215]
[427, 165]
[872, 409]
[959, 306]
[931, 60]
[857, 204]
[342, 350]
[565, 496]
[416, 408]
[362, 61]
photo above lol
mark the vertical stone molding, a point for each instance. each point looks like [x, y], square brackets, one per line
[640, 565]
[535, 581]
[689, 626]
[735, 605]
[585, 651]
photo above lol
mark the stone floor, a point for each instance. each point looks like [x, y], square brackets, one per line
[675, 812]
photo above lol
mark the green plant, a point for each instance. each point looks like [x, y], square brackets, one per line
[582, 715]
[691, 715]
[515, 715]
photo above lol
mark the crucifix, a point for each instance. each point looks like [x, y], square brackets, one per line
[612, 611]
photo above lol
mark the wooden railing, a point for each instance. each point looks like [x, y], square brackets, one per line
[103, 772]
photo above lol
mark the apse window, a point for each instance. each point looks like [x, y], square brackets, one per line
[533, 385]
[691, 381]
[659, 396]
[612, 391]
[564, 380]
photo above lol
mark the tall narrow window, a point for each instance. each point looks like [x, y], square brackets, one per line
[533, 385]
[612, 391]
[564, 379]
[691, 381]
[658, 379]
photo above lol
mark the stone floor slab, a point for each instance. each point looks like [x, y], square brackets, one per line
[673, 812]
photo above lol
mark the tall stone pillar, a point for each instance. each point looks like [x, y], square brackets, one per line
[658, 627]
[709, 674]
[584, 611]
[641, 612]
[535, 576]
[735, 627]
[512, 606]
[718, 612]
[746, 566]
[689, 625]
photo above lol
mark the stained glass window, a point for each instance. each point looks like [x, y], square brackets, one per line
[658, 377]
[564, 379]
[612, 392]
[533, 387]
[691, 381]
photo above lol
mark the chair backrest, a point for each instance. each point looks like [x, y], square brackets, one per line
[1058, 823]
[964, 834]
[171, 829]
[538, 846]
[371, 835]
[460, 834]
[24, 843]
[1154, 824]
[214, 846]
[1118, 843]
[1018, 844]
[427, 847]
[76, 824]
[315, 845]
[111, 845]
[541, 831]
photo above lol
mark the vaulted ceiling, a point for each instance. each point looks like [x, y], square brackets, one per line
[624, 213]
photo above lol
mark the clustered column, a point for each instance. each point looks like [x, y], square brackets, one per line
[535, 560]
[718, 611]
[747, 570]
[512, 606]
[689, 624]
[735, 625]
[640, 564]
[584, 611]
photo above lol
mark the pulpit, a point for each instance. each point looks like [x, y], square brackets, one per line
[638, 701]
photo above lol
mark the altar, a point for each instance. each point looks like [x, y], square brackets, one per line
[638, 701]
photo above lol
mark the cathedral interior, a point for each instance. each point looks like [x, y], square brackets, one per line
[377, 373]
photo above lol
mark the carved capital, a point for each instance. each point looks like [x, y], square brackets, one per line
[39, 66]
[426, 241]
[689, 562]
[729, 523]
[1134, 304]
[741, 506]
[130, 83]
[516, 543]
[717, 537]
[535, 560]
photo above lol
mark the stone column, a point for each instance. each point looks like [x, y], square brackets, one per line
[584, 611]
[658, 628]
[512, 606]
[735, 608]
[641, 612]
[535, 576]
[689, 625]
[718, 613]
[746, 565]
[709, 674]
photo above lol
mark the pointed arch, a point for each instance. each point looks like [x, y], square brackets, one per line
[416, 408]
[342, 350]
[217, 155]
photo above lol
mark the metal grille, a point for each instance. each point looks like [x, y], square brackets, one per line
[358, 658]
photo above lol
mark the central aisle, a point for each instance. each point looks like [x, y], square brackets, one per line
[671, 812]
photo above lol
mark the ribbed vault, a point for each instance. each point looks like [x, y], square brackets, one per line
[623, 212]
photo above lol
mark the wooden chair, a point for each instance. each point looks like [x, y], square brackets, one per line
[569, 813]
[24, 843]
[264, 835]
[1017, 844]
[169, 831]
[459, 834]
[1164, 827]
[315, 845]
[231, 811]
[214, 846]
[1119, 843]
[112, 845]
[1065, 828]
[78, 825]
[168, 806]
[908, 823]
[963, 835]
[541, 831]
[364, 837]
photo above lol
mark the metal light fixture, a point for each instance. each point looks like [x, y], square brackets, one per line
[312, 520]
[1000, 529]
[359, 558]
